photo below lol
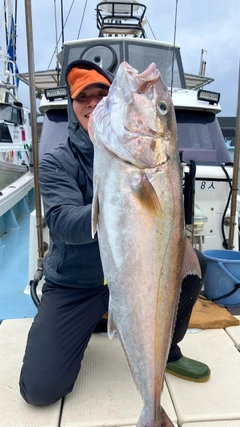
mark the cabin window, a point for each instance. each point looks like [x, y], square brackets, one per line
[5, 134]
[5, 112]
[15, 117]
[200, 137]
[11, 114]
[140, 56]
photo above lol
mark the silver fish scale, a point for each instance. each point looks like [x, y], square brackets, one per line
[139, 217]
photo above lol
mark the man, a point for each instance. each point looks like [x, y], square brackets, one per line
[74, 297]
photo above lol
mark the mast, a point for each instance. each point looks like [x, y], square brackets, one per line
[5, 20]
[31, 67]
[9, 59]
[235, 171]
[15, 34]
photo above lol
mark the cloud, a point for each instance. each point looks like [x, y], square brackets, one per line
[212, 25]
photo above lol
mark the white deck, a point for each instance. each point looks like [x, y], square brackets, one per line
[105, 395]
[14, 411]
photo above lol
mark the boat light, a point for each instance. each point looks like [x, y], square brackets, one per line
[59, 92]
[206, 95]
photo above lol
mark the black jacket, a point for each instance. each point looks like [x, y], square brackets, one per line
[66, 185]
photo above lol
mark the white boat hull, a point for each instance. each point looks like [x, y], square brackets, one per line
[13, 193]
[10, 172]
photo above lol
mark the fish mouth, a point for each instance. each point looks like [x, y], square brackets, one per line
[149, 134]
[151, 70]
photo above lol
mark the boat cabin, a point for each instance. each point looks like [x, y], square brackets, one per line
[208, 166]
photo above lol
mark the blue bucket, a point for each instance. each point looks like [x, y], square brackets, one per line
[222, 282]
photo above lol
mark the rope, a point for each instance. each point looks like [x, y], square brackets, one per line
[61, 33]
[151, 30]
[236, 287]
[84, 10]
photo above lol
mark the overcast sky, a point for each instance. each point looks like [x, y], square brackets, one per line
[211, 25]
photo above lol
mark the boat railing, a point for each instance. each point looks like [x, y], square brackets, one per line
[121, 18]
[8, 75]
[6, 95]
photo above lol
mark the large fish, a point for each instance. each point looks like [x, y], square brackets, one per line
[138, 214]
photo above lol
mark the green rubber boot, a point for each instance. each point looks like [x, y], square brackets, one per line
[189, 369]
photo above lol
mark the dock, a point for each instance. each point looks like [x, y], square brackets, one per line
[105, 394]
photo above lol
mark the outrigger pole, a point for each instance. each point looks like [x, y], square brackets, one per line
[6, 25]
[235, 172]
[32, 91]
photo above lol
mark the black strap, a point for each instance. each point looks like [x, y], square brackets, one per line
[236, 287]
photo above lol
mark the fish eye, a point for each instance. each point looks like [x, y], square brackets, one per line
[163, 108]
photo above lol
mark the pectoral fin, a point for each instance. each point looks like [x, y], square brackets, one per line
[146, 194]
[95, 212]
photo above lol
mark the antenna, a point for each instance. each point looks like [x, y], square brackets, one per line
[62, 22]
[56, 49]
[174, 44]
[203, 63]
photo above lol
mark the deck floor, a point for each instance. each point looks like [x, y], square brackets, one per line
[105, 394]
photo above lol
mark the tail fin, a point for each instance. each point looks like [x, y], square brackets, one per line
[161, 419]
[166, 422]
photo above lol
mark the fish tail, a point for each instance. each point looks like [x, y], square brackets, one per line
[166, 422]
[161, 419]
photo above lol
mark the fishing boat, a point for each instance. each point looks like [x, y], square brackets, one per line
[16, 173]
[205, 158]
[111, 399]
[15, 127]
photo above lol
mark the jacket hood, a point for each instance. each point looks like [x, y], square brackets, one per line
[78, 137]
